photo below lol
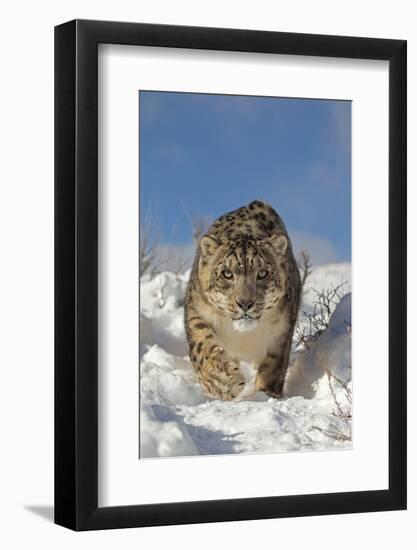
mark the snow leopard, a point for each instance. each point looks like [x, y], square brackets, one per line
[241, 304]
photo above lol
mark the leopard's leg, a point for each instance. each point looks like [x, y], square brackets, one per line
[272, 371]
[219, 374]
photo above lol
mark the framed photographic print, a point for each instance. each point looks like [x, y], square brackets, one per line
[230, 325]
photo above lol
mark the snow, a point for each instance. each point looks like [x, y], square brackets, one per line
[177, 419]
[332, 350]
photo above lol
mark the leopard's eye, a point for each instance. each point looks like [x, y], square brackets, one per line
[263, 274]
[227, 274]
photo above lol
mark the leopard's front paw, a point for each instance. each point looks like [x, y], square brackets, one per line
[222, 377]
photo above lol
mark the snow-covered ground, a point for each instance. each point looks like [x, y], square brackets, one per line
[177, 419]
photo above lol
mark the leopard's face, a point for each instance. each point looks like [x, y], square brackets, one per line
[243, 279]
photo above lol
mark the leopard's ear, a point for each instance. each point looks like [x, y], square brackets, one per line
[278, 243]
[208, 245]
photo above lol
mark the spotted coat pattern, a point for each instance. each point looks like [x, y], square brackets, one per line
[242, 301]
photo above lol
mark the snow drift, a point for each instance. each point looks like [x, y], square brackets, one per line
[177, 419]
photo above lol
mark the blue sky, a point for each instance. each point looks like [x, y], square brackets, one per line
[203, 155]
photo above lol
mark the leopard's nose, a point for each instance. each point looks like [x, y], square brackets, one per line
[245, 303]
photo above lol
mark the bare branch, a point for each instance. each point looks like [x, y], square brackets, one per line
[312, 324]
[334, 433]
[200, 225]
[148, 245]
[343, 414]
[199, 222]
[305, 266]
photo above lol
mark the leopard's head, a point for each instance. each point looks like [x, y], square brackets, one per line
[243, 278]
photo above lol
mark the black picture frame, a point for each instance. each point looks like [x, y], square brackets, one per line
[76, 272]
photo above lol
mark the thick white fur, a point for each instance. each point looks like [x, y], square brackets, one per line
[244, 325]
[251, 346]
[248, 371]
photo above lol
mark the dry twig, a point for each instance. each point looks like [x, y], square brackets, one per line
[343, 414]
[305, 266]
[313, 324]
